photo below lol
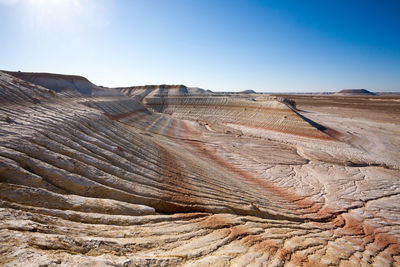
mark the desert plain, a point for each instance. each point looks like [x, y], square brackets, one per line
[169, 175]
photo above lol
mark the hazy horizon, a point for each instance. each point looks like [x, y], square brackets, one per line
[265, 46]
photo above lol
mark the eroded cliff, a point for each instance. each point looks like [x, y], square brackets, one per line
[179, 176]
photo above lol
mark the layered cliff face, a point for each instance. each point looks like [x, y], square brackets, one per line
[179, 176]
[164, 90]
[60, 83]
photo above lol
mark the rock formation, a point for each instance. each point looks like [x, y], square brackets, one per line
[173, 175]
[355, 92]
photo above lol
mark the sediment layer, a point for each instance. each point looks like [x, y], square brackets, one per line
[165, 179]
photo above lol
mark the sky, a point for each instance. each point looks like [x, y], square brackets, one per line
[221, 45]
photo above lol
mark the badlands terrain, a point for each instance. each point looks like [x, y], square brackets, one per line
[170, 175]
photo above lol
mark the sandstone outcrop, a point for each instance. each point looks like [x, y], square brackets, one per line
[61, 83]
[173, 175]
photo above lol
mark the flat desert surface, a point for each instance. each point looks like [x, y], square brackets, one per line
[169, 175]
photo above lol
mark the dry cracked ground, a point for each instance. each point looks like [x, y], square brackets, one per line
[178, 176]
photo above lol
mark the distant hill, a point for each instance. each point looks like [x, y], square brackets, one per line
[247, 92]
[355, 92]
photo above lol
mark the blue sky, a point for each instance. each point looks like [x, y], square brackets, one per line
[281, 46]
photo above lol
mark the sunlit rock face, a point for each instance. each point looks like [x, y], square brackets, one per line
[66, 85]
[173, 175]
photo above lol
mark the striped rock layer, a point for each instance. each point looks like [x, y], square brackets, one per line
[185, 178]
